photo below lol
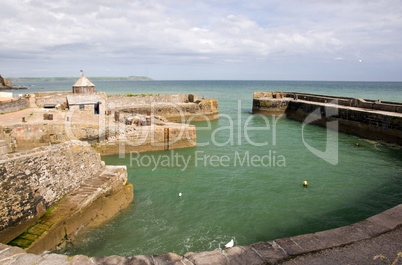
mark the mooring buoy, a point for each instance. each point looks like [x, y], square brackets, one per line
[305, 183]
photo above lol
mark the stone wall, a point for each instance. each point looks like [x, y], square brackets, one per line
[14, 105]
[55, 98]
[201, 110]
[124, 101]
[28, 136]
[34, 181]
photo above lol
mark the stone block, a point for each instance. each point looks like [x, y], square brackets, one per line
[140, 260]
[170, 259]
[243, 255]
[52, 259]
[215, 257]
[25, 259]
[291, 247]
[110, 260]
[80, 260]
[270, 252]
[304, 243]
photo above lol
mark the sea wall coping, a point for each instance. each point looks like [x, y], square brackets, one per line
[272, 252]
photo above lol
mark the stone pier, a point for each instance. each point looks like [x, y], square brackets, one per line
[366, 118]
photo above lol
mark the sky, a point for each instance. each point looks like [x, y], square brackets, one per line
[336, 40]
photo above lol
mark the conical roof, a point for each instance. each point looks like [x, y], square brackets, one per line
[83, 81]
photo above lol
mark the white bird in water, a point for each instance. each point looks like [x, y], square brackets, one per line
[180, 194]
[230, 244]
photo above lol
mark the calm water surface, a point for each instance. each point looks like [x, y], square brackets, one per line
[240, 199]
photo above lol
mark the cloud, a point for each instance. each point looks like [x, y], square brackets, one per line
[206, 32]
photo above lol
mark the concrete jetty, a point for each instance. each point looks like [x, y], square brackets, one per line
[367, 118]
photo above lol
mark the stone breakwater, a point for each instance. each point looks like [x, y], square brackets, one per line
[48, 194]
[271, 252]
[366, 118]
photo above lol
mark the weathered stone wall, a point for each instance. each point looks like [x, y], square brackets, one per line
[43, 98]
[28, 136]
[150, 138]
[271, 107]
[33, 181]
[14, 105]
[3, 147]
[124, 101]
[97, 200]
[205, 109]
[56, 98]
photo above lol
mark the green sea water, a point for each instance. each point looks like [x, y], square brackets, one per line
[246, 184]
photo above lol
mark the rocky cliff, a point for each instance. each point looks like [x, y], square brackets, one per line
[4, 83]
[7, 85]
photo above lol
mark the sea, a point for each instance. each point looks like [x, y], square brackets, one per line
[244, 179]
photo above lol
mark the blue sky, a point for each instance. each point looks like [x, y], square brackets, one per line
[203, 40]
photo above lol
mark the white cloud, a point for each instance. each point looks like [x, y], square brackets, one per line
[218, 32]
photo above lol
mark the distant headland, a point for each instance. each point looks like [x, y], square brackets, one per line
[6, 84]
[73, 79]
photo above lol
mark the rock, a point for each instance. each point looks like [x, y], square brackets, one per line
[207, 258]
[243, 255]
[271, 252]
[170, 259]
[52, 259]
[8, 252]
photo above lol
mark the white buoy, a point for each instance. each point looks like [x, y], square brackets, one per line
[230, 244]
[180, 194]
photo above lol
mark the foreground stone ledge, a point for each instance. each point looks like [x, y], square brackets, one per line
[272, 252]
